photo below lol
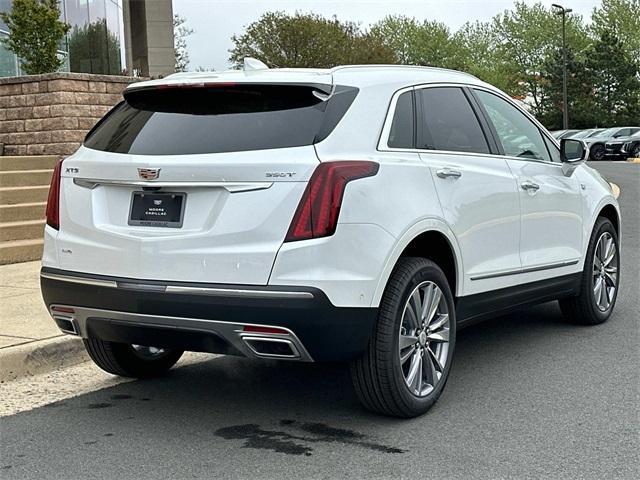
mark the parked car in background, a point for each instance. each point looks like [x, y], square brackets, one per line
[590, 132]
[560, 134]
[597, 143]
[631, 147]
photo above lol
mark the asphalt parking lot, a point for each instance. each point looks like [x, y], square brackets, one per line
[528, 397]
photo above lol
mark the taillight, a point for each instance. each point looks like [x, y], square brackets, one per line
[53, 202]
[319, 208]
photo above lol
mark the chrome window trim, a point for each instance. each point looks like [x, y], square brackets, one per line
[383, 140]
[386, 129]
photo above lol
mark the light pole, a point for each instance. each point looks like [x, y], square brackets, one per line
[560, 10]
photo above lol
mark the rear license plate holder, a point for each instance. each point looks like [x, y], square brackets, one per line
[157, 209]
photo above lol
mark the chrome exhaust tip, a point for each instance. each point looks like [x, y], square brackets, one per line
[271, 347]
[66, 324]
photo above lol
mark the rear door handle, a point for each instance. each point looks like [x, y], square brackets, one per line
[447, 172]
[529, 185]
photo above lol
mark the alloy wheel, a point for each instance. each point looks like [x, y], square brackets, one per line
[605, 271]
[598, 152]
[423, 343]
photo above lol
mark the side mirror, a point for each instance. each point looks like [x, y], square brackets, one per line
[573, 151]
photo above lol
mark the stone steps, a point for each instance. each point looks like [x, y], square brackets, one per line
[24, 188]
[22, 211]
[35, 162]
[25, 178]
[15, 251]
[21, 230]
[20, 195]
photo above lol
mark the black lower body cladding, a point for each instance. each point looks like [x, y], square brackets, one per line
[329, 333]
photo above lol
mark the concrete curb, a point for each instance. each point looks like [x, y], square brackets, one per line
[41, 356]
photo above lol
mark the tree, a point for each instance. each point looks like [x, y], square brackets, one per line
[475, 50]
[582, 101]
[94, 49]
[413, 43]
[526, 35]
[180, 34]
[616, 81]
[36, 33]
[622, 19]
[306, 41]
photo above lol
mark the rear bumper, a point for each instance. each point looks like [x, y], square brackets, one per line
[206, 317]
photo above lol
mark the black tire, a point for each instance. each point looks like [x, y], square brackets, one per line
[583, 309]
[124, 360]
[635, 151]
[378, 375]
[597, 152]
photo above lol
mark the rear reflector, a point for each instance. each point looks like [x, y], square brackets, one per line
[53, 202]
[257, 329]
[319, 208]
[63, 309]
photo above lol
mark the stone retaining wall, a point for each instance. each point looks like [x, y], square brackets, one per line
[50, 114]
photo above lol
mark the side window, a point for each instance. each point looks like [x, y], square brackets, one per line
[519, 136]
[449, 122]
[402, 127]
[553, 150]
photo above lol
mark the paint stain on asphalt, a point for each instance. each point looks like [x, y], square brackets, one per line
[256, 437]
[108, 435]
[99, 405]
[298, 444]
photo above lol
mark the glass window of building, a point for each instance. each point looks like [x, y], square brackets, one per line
[94, 40]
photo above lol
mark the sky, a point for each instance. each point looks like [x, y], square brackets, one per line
[215, 21]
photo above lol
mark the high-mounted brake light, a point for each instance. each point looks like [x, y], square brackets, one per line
[318, 211]
[53, 202]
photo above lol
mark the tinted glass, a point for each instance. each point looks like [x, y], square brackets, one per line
[449, 122]
[402, 128]
[519, 136]
[174, 121]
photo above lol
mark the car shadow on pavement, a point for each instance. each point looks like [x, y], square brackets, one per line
[294, 408]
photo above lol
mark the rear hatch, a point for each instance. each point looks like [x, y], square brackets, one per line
[194, 183]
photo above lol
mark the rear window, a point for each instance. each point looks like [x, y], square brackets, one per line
[402, 130]
[175, 121]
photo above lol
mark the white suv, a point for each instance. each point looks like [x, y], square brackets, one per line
[360, 214]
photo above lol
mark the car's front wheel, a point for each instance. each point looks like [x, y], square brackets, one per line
[128, 360]
[600, 278]
[407, 362]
